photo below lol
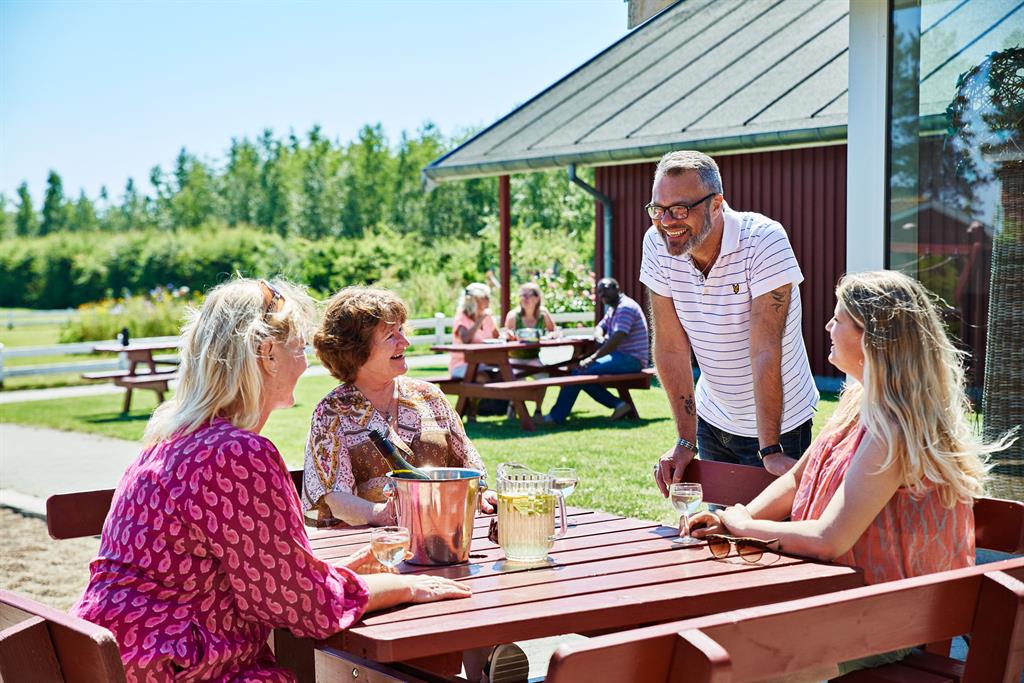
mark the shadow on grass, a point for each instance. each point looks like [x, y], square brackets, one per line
[500, 428]
[108, 418]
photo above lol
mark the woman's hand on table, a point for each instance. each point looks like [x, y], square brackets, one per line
[388, 590]
[489, 502]
[363, 562]
[702, 524]
[735, 518]
[426, 588]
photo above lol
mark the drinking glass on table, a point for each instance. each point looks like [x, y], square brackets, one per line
[686, 499]
[565, 480]
[389, 545]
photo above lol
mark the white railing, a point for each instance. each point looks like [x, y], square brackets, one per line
[12, 319]
[439, 324]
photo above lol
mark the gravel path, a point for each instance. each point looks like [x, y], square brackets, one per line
[34, 565]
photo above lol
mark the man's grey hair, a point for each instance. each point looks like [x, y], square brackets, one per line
[674, 163]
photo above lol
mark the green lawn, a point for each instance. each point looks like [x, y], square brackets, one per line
[29, 335]
[613, 458]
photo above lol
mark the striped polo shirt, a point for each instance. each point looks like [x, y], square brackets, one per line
[628, 317]
[755, 258]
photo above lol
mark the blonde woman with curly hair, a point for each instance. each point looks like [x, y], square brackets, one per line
[204, 550]
[888, 485]
[362, 343]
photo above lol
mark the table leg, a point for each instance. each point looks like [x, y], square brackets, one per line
[295, 654]
[127, 406]
[507, 375]
[624, 395]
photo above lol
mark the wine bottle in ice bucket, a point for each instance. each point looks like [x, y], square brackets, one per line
[399, 466]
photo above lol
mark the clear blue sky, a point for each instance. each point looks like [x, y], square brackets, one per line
[100, 91]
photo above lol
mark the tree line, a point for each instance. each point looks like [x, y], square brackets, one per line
[310, 187]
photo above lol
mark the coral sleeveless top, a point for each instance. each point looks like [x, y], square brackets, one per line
[909, 537]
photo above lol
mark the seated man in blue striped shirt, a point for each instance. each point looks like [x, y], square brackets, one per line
[624, 347]
[724, 284]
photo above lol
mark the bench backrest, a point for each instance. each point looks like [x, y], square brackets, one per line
[998, 524]
[74, 515]
[789, 637]
[43, 644]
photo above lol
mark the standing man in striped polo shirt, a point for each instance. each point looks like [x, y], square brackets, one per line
[624, 347]
[724, 284]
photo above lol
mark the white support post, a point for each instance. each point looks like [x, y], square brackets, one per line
[867, 132]
[439, 336]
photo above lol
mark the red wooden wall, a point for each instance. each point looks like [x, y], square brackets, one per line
[804, 189]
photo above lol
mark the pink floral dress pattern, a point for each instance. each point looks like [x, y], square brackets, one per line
[909, 537]
[203, 552]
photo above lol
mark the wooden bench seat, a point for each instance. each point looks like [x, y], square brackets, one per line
[40, 643]
[154, 381]
[108, 375]
[784, 639]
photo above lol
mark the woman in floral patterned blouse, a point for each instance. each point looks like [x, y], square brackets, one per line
[204, 550]
[362, 343]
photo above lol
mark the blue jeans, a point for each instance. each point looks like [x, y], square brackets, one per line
[615, 363]
[721, 446]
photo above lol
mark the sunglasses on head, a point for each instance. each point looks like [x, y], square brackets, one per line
[273, 299]
[749, 549]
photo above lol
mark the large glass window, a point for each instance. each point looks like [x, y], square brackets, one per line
[956, 183]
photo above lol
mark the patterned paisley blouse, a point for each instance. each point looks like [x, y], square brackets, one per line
[909, 537]
[203, 552]
[341, 457]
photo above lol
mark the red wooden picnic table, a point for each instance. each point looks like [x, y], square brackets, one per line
[608, 573]
[139, 354]
[497, 353]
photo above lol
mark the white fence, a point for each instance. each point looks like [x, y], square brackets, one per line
[439, 325]
[12, 319]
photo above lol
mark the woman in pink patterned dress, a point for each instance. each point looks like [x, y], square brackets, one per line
[362, 343]
[204, 550]
[889, 484]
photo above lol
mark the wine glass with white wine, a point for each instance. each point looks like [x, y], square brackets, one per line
[686, 499]
[389, 545]
[565, 480]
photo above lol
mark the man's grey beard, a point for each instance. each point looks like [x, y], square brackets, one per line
[695, 240]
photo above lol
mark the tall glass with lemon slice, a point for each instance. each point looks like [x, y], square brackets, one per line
[526, 513]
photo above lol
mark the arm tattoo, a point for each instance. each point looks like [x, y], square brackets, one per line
[689, 405]
[779, 300]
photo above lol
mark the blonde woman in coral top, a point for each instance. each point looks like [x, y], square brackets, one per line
[898, 462]
[889, 484]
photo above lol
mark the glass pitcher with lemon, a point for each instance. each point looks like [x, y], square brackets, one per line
[526, 513]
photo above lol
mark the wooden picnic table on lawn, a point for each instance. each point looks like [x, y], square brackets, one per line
[608, 573]
[139, 354]
[511, 387]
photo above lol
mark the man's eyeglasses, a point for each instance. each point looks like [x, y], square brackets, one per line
[273, 299]
[749, 549]
[677, 212]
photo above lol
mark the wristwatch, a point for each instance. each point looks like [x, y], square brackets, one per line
[770, 450]
[688, 445]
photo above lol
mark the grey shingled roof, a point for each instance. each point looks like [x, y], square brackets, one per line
[715, 75]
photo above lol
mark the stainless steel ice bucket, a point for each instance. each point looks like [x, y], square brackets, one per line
[438, 512]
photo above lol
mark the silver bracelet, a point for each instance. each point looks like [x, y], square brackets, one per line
[688, 445]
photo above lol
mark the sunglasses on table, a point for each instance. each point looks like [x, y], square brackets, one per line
[749, 549]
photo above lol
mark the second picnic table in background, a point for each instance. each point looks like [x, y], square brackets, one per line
[513, 387]
[136, 355]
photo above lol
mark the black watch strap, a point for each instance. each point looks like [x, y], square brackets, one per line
[770, 450]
